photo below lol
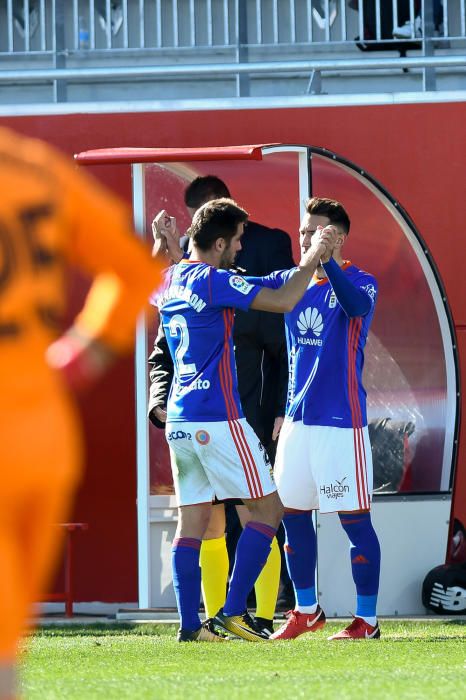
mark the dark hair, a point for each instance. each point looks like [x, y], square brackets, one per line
[203, 189]
[333, 210]
[218, 218]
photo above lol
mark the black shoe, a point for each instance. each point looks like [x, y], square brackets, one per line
[242, 626]
[264, 625]
[206, 633]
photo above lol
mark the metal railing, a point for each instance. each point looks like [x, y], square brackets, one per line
[29, 26]
[247, 32]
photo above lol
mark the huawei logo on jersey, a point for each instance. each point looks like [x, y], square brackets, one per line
[310, 320]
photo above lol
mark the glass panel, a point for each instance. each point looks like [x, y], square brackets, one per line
[409, 373]
[409, 377]
[163, 190]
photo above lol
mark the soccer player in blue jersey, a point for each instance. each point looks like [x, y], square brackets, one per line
[213, 450]
[324, 458]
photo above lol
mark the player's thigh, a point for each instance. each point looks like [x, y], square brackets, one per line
[189, 475]
[41, 468]
[44, 469]
[293, 470]
[234, 459]
[42, 537]
[343, 468]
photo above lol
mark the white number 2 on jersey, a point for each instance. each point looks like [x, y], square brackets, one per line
[178, 326]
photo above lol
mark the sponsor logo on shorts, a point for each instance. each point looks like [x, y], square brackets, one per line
[335, 490]
[240, 284]
[178, 435]
[203, 437]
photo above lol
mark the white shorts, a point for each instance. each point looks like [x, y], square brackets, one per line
[224, 459]
[324, 468]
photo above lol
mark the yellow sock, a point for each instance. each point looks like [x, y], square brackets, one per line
[214, 570]
[267, 584]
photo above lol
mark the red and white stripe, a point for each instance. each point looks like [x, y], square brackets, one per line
[236, 429]
[354, 332]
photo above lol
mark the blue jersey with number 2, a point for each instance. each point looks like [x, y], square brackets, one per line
[196, 306]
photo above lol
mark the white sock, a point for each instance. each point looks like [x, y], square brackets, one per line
[372, 621]
[307, 609]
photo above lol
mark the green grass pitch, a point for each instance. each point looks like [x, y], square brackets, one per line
[415, 659]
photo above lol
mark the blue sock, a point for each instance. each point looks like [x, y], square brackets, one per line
[365, 560]
[187, 580]
[300, 555]
[252, 551]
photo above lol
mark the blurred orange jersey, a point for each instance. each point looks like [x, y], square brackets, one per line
[50, 214]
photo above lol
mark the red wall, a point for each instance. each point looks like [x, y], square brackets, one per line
[416, 151]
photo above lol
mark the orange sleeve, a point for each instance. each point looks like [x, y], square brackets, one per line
[102, 242]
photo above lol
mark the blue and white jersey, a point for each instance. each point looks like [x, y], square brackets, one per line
[326, 352]
[196, 305]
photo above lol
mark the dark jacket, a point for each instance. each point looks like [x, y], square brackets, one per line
[259, 337]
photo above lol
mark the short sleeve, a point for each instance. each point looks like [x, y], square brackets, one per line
[273, 281]
[231, 290]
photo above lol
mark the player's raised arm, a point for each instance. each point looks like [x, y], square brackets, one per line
[284, 299]
[354, 300]
[166, 237]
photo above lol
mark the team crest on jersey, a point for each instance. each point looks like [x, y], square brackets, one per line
[240, 284]
[332, 302]
[203, 437]
[310, 320]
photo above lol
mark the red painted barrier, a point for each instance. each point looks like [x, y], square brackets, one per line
[415, 150]
[67, 595]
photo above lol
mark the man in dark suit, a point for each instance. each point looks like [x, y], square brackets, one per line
[262, 369]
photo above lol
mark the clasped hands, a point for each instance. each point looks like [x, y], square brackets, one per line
[166, 237]
[325, 238]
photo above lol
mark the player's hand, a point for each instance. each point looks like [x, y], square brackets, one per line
[322, 244]
[160, 414]
[277, 426]
[80, 360]
[166, 236]
[324, 240]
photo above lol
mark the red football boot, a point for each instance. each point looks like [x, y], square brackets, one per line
[298, 623]
[358, 629]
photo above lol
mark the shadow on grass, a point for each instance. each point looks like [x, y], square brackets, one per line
[461, 623]
[410, 638]
[119, 629]
[111, 629]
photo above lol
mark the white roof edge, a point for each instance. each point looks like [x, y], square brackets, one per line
[231, 103]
